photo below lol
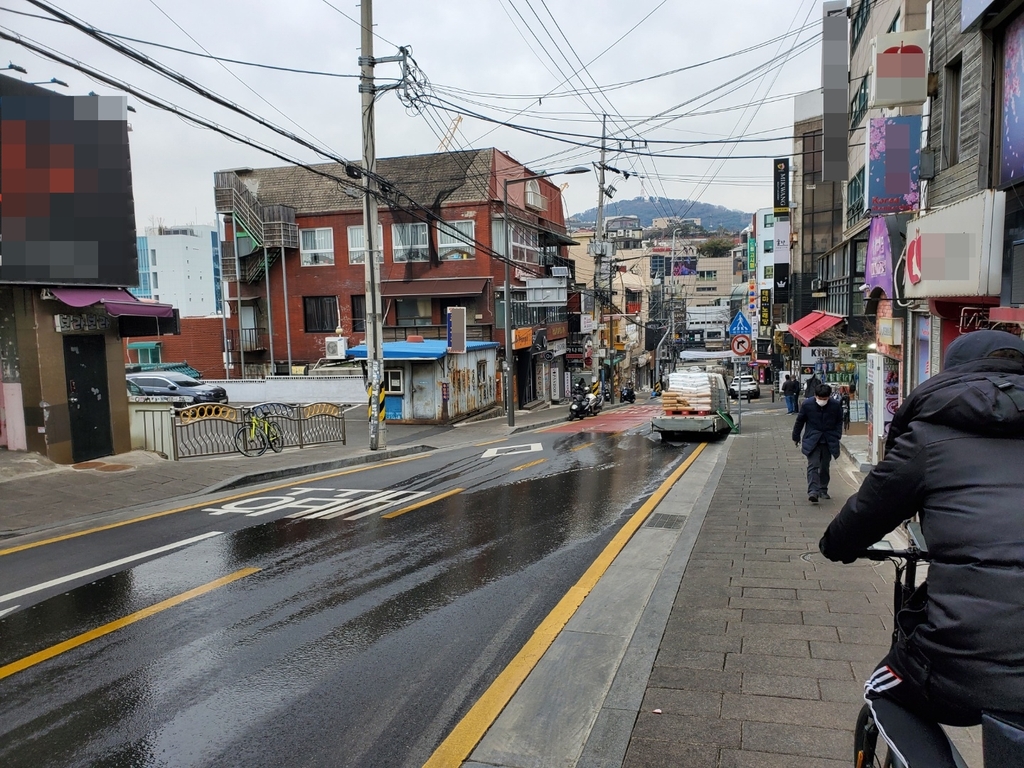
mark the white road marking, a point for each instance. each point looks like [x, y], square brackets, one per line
[8, 610]
[509, 450]
[391, 498]
[106, 566]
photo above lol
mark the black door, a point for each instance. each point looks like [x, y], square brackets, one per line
[85, 365]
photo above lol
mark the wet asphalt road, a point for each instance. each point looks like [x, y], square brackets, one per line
[362, 638]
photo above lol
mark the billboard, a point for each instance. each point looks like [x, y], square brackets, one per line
[780, 186]
[900, 74]
[68, 214]
[684, 265]
[1011, 164]
[893, 176]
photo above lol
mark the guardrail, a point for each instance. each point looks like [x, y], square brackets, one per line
[209, 429]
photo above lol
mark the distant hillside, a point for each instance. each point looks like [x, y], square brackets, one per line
[648, 208]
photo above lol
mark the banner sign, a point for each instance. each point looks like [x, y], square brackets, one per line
[766, 308]
[900, 76]
[456, 330]
[780, 187]
[752, 254]
[894, 164]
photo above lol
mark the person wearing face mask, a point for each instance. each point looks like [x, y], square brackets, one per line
[821, 421]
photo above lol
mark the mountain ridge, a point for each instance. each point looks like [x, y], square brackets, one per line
[648, 208]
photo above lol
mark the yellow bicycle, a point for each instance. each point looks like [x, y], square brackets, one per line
[257, 434]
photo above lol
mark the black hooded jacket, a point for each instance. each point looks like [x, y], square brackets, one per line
[956, 456]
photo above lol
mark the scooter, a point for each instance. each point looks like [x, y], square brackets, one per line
[578, 406]
[627, 395]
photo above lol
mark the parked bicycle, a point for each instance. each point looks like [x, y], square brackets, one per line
[257, 434]
[922, 743]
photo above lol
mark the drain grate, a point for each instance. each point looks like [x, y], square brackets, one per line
[659, 520]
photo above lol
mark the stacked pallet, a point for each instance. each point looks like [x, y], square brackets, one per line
[688, 392]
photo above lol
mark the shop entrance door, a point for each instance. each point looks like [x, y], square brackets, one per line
[85, 366]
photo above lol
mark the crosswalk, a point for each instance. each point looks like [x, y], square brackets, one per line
[320, 503]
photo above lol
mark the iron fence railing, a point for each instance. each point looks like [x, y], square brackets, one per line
[209, 430]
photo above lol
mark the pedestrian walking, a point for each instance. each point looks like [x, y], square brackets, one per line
[812, 384]
[790, 391]
[821, 421]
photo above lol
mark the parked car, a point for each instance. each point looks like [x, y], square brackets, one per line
[169, 384]
[134, 390]
[747, 385]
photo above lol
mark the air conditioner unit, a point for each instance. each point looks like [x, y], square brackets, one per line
[817, 284]
[336, 347]
[560, 272]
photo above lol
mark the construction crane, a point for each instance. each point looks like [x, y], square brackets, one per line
[450, 134]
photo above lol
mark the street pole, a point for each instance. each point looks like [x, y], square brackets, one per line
[270, 311]
[374, 319]
[238, 290]
[599, 239]
[510, 407]
[287, 328]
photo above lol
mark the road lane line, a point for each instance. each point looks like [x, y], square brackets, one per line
[55, 650]
[5, 611]
[106, 566]
[527, 465]
[581, 447]
[423, 503]
[155, 515]
[458, 745]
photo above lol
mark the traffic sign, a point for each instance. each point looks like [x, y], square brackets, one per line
[740, 326]
[741, 344]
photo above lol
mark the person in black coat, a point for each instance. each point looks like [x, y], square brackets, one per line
[955, 453]
[821, 421]
[790, 390]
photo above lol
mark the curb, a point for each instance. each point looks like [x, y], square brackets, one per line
[859, 459]
[254, 478]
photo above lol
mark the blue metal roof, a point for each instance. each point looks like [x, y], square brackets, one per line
[428, 349]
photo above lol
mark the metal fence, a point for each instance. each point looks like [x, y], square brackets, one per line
[209, 430]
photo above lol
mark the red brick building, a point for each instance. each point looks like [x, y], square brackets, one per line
[445, 220]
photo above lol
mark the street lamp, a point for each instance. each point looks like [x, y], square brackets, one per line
[508, 287]
[52, 81]
[16, 68]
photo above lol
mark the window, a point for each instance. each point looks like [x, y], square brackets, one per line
[149, 354]
[321, 313]
[152, 258]
[706, 289]
[357, 245]
[153, 280]
[895, 25]
[534, 199]
[393, 382]
[455, 240]
[317, 247]
[859, 104]
[413, 312]
[707, 274]
[481, 374]
[769, 220]
[952, 97]
[860, 23]
[358, 314]
[769, 246]
[855, 198]
[409, 242]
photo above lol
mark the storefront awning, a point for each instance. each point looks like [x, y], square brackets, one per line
[459, 286]
[816, 323]
[117, 301]
[428, 349]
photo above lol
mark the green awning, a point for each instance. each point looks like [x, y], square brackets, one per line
[144, 344]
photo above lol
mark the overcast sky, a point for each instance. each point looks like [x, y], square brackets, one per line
[475, 53]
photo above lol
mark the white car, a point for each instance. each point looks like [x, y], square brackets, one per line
[747, 384]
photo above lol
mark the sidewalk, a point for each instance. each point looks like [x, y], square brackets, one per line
[719, 637]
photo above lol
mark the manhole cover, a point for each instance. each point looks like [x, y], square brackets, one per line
[659, 520]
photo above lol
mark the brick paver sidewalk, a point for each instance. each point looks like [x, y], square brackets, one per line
[767, 646]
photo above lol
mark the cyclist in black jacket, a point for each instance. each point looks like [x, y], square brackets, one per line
[955, 455]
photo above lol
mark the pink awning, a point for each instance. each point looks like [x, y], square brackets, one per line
[807, 328]
[117, 301]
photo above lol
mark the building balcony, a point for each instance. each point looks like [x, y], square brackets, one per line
[252, 340]
[401, 333]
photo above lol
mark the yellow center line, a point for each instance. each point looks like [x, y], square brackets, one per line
[527, 465]
[581, 447]
[423, 503]
[467, 734]
[55, 650]
[65, 537]
[491, 442]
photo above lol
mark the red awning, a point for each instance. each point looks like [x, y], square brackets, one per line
[117, 301]
[459, 286]
[808, 327]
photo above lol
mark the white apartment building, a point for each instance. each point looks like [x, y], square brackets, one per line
[179, 265]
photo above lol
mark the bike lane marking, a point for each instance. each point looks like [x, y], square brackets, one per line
[458, 745]
[164, 513]
[106, 566]
[424, 503]
[93, 634]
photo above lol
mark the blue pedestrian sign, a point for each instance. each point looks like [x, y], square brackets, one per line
[740, 326]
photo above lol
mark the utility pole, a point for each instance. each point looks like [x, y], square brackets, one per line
[599, 243]
[374, 315]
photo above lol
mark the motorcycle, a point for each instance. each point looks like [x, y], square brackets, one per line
[627, 395]
[578, 406]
